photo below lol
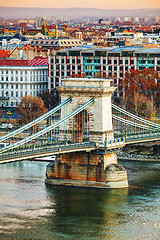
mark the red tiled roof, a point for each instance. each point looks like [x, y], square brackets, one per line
[37, 61]
[3, 54]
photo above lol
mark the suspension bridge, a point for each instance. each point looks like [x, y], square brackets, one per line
[84, 132]
[59, 131]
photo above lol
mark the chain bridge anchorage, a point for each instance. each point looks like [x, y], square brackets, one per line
[84, 133]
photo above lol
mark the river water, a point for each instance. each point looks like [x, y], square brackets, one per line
[31, 210]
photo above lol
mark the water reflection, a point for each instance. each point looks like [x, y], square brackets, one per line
[29, 209]
[95, 212]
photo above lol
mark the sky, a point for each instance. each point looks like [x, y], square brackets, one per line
[101, 4]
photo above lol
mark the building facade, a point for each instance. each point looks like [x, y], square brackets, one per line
[56, 43]
[22, 77]
[99, 62]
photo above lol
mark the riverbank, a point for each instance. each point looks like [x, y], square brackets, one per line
[137, 157]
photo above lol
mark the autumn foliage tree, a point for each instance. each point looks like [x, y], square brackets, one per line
[76, 75]
[30, 108]
[141, 86]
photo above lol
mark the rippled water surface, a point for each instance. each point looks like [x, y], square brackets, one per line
[31, 210]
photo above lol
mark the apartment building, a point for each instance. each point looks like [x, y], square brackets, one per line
[56, 43]
[96, 62]
[22, 77]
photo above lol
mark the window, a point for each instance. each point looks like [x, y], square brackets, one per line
[104, 61]
[115, 61]
[68, 60]
[57, 60]
[121, 62]
[158, 68]
[73, 60]
[126, 62]
[109, 62]
[132, 61]
[104, 67]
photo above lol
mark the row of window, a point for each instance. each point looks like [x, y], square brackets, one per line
[55, 42]
[20, 72]
[115, 61]
[22, 79]
[7, 86]
[93, 61]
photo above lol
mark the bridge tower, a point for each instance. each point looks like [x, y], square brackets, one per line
[98, 167]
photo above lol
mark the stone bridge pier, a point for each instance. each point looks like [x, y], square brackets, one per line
[97, 168]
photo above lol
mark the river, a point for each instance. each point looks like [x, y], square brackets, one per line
[31, 210]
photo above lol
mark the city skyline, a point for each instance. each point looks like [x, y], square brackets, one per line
[101, 4]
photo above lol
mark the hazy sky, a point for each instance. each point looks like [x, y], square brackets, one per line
[103, 4]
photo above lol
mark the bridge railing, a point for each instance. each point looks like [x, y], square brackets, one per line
[115, 142]
[42, 150]
[145, 136]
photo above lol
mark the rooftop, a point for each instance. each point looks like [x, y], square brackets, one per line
[37, 61]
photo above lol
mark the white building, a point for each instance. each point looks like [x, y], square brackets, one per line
[22, 77]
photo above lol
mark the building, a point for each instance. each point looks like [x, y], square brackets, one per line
[56, 43]
[99, 62]
[22, 77]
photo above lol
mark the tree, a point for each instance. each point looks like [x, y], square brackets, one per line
[51, 99]
[141, 86]
[76, 75]
[31, 107]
